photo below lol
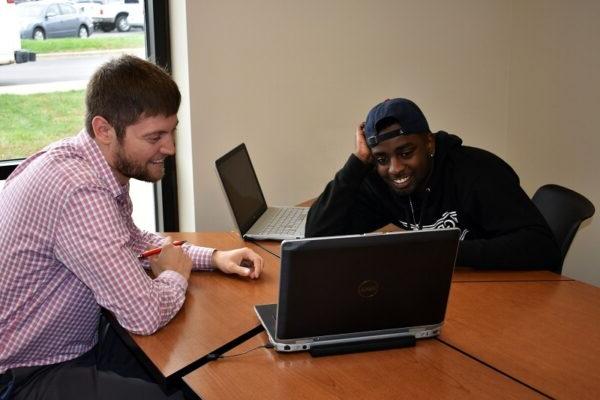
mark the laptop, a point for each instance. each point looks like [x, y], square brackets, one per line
[254, 218]
[361, 289]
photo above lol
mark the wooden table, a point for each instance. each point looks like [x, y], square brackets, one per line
[427, 371]
[544, 334]
[218, 310]
[463, 274]
[515, 339]
[508, 334]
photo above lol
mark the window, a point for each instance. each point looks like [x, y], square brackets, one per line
[52, 10]
[67, 9]
[57, 104]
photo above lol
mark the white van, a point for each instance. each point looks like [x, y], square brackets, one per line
[9, 32]
[110, 14]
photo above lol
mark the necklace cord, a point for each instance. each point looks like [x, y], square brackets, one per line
[424, 203]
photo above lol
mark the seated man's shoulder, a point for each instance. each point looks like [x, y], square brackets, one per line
[62, 166]
[71, 165]
[468, 158]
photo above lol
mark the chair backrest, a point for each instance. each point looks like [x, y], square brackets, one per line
[564, 210]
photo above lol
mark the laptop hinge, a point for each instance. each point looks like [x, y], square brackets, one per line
[319, 350]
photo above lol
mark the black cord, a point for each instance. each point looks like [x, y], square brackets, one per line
[214, 356]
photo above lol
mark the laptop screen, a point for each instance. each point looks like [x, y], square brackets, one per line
[241, 187]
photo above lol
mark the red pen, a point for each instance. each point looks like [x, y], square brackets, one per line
[159, 249]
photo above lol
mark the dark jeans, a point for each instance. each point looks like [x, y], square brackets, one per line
[108, 371]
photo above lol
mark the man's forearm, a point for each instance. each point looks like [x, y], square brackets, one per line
[525, 249]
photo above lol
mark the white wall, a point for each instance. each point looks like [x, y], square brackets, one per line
[292, 80]
[554, 99]
[185, 160]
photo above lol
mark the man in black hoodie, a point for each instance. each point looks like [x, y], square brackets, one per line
[403, 174]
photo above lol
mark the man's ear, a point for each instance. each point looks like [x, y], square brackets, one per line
[430, 144]
[103, 131]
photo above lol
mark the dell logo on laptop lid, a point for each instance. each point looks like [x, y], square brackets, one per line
[368, 289]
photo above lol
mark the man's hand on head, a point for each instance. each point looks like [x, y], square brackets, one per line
[363, 152]
[243, 262]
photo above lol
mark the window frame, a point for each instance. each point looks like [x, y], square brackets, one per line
[158, 51]
[7, 167]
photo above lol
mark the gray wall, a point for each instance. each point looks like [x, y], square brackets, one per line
[554, 101]
[293, 79]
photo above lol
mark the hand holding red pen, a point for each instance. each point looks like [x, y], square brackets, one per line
[171, 258]
[157, 250]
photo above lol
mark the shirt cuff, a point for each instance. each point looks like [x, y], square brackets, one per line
[355, 169]
[174, 277]
[201, 257]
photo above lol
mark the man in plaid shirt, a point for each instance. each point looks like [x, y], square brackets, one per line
[69, 247]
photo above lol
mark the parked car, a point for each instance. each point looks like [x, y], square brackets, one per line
[51, 19]
[110, 14]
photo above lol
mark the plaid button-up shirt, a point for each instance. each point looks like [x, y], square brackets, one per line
[68, 245]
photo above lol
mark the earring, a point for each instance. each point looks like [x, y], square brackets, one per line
[431, 155]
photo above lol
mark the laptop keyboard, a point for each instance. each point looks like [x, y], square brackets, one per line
[284, 221]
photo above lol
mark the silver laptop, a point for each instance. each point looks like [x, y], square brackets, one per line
[254, 218]
[361, 289]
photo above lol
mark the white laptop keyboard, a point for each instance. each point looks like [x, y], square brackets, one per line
[285, 221]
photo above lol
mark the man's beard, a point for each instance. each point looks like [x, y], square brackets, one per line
[133, 170]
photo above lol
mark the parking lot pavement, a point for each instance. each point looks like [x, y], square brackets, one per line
[57, 72]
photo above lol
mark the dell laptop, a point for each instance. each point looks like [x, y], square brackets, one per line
[254, 218]
[361, 289]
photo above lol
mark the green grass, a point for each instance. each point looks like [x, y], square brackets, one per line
[90, 44]
[30, 122]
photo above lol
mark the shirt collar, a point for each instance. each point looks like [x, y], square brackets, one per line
[100, 165]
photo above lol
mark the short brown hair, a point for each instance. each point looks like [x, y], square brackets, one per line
[123, 89]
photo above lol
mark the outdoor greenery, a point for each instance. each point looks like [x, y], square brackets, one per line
[30, 122]
[92, 43]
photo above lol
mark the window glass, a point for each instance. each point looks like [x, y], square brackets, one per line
[67, 9]
[52, 10]
[42, 85]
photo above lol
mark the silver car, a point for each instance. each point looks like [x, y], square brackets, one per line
[52, 19]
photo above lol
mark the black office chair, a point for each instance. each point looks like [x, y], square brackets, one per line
[564, 210]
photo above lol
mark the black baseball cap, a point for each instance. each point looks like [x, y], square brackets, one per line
[403, 111]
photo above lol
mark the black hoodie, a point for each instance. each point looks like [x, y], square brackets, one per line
[469, 188]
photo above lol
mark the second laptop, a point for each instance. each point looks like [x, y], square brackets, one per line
[254, 218]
